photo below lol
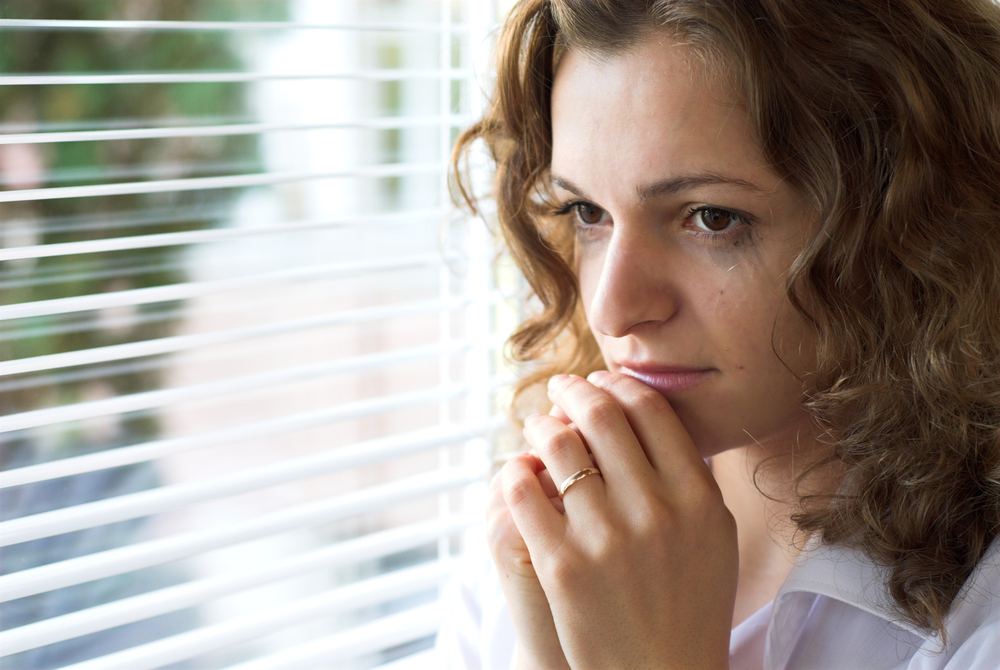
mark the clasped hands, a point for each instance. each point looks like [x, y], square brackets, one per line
[634, 569]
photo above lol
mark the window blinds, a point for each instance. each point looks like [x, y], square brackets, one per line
[249, 353]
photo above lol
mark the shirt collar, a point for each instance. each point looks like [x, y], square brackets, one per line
[835, 572]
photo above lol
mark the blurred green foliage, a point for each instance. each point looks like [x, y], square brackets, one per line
[82, 107]
[88, 107]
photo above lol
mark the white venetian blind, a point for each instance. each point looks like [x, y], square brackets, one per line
[248, 350]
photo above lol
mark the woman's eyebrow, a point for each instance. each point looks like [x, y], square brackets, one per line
[671, 186]
[687, 182]
[567, 185]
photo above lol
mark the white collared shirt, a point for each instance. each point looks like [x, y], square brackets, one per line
[830, 614]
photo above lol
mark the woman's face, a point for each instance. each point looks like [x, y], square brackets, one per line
[683, 241]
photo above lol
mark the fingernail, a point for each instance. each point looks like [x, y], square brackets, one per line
[531, 419]
[558, 383]
[597, 375]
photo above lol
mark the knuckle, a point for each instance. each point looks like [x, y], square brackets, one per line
[559, 443]
[653, 519]
[516, 492]
[601, 412]
[508, 549]
[605, 543]
[646, 399]
[659, 531]
[705, 505]
[564, 571]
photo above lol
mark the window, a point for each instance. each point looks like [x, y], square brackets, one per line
[249, 353]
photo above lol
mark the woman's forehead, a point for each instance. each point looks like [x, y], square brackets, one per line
[648, 116]
[684, 58]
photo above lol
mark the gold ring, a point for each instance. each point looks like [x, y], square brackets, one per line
[575, 477]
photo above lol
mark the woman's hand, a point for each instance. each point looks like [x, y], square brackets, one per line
[537, 644]
[640, 569]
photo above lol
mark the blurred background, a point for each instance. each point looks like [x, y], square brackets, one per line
[250, 354]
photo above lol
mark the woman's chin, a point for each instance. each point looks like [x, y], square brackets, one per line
[705, 432]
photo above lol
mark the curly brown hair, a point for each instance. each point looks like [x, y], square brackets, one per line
[885, 115]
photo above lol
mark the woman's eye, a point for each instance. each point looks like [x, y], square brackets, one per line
[588, 213]
[715, 219]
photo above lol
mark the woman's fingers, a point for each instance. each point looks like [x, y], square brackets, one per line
[538, 643]
[563, 452]
[539, 523]
[665, 442]
[549, 487]
[624, 573]
[558, 413]
[545, 479]
[598, 416]
[623, 567]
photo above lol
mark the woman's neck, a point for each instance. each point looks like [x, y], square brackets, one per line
[765, 532]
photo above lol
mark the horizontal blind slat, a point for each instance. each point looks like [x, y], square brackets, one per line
[182, 596]
[110, 222]
[213, 637]
[250, 430]
[383, 633]
[157, 552]
[162, 499]
[176, 343]
[185, 26]
[145, 296]
[213, 183]
[125, 243]
[401, 74]
[148, 400]
[103, 175]
[385, 123]
[392, 630]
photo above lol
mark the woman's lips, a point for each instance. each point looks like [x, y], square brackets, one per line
[667, 380]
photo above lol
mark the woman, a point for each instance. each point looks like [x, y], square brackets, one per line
[764, 238]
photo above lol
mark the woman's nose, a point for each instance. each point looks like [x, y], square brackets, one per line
[633, 289]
